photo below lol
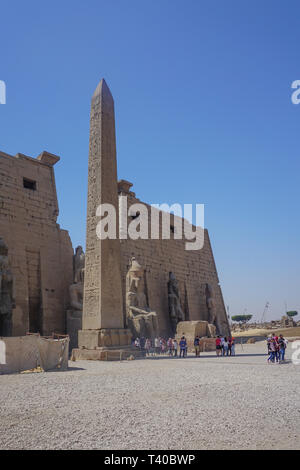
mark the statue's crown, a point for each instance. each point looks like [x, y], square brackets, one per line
[135, 266]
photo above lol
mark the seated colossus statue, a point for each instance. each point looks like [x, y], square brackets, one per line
[140, 319]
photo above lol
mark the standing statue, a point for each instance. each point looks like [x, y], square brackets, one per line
[175, 311]
[211, 305]
[140, 319]
[74, 313]
[213, 318]
[7, 294]
[76, 289]
[79, 260]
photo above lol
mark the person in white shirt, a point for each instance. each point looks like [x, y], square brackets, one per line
[157, 345]
[175, 347]
[225, 347]
[222, 344]
[147, 346]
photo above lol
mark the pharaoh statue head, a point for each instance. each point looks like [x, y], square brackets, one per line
[136, 276]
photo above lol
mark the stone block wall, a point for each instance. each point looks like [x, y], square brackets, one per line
[193, 269]
[40, 252]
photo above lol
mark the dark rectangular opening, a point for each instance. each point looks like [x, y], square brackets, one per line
[29, 184]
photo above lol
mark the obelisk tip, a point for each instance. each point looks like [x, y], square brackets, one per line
[102, 89]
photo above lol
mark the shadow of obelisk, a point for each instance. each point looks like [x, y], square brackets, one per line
[103, 336]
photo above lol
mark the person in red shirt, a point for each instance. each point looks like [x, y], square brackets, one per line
[218, 346]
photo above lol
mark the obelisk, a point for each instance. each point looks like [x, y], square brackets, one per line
[103, 320]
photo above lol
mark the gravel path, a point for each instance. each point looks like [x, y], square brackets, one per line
[194, 403]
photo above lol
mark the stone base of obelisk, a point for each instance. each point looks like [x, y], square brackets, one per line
[107, 344]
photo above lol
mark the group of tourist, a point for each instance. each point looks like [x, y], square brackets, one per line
[173, 348]
[225, 346]
[276, 348]
[157, 346]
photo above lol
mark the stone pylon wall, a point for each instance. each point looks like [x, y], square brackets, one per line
[40, 253]
[193, 269]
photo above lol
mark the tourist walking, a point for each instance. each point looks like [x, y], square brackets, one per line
[282, 347]
[218, 346]
[232, 352]
[197, 346]
[152, 348]
[222, 344]
[175, 347]
[275, 338]
[183, 346]
[157, 345]
[272, 355]
[186, 349]
[225, 347]
[148, 346]
[170, 347]
[142, 345]
[163, 346]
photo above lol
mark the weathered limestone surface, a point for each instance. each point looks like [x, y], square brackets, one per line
[103, 304]
[193, 271]
[191, 329]
[207, 344]
[40, 253]
[141, 320]
[7, 292]
[74, 314]
[103, 315]
[175, 310]
[74, 324]
[76, 288]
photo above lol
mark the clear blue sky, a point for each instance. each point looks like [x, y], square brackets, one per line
[202, 93]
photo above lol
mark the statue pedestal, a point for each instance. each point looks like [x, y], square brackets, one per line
[105, 354]
[207, 344]
[203, 329]
[107, 344]
[74, 324]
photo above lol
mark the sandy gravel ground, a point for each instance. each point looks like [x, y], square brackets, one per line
[208, 403]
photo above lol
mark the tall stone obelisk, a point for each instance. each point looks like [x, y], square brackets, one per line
[103, 321]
